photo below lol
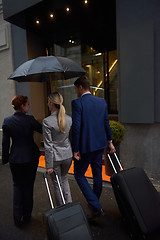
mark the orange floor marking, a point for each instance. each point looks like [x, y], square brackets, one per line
[71, 170]
[42, 161]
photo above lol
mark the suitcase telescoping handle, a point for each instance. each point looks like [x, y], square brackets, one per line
[48, 190]
[109, 157]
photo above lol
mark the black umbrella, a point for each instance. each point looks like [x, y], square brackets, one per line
[45, 68]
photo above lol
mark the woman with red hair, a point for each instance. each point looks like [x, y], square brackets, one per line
[23, 156]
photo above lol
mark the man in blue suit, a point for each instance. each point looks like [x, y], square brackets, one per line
[91, 133]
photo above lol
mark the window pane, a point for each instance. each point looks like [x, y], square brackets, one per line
[113, 81]
[95, 64]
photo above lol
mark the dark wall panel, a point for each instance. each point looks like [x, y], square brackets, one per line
[135, 34]
[19, 46]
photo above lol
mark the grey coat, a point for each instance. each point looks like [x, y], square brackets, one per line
[57, 145]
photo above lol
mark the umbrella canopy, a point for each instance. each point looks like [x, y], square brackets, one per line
[42, 69]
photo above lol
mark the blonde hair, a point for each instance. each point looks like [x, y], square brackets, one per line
[57, 99]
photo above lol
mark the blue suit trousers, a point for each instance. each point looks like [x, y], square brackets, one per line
[80, 167]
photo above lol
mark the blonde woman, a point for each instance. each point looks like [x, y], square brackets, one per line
[58, 152]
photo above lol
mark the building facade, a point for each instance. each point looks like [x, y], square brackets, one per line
[138, 44]
[7, 89]
[117, 43]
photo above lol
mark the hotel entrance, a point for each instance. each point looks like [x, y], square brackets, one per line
[101, 70]
[84, 31]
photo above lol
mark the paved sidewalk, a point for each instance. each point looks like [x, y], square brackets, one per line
[110, 226]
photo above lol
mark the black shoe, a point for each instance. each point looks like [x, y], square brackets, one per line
[26, 221]
[96, 214]
[18, 223]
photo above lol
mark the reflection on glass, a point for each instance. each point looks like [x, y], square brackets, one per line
[95, 64]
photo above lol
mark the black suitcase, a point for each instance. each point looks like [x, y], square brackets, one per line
[138, 200]
[68, 221]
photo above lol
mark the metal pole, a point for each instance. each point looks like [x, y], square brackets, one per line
[50, 81]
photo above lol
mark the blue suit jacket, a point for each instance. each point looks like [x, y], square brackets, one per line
[20, 127]
[90, 128]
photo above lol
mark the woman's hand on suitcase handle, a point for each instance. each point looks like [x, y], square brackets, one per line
[49, 170]
[111, 148]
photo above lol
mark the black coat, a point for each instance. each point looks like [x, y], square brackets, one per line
[20, 128]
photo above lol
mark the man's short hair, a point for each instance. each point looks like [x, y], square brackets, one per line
[82, 81]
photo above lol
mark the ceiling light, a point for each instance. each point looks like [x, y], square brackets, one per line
[98, 54]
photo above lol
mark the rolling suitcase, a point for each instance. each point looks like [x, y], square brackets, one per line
[138, 200]
[68, 221]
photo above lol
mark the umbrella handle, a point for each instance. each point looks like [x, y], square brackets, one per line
[50, 80]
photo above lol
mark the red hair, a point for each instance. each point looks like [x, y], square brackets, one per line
[19, 100]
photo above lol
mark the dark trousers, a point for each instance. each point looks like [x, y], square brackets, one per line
[80, 167]
[23, 182]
